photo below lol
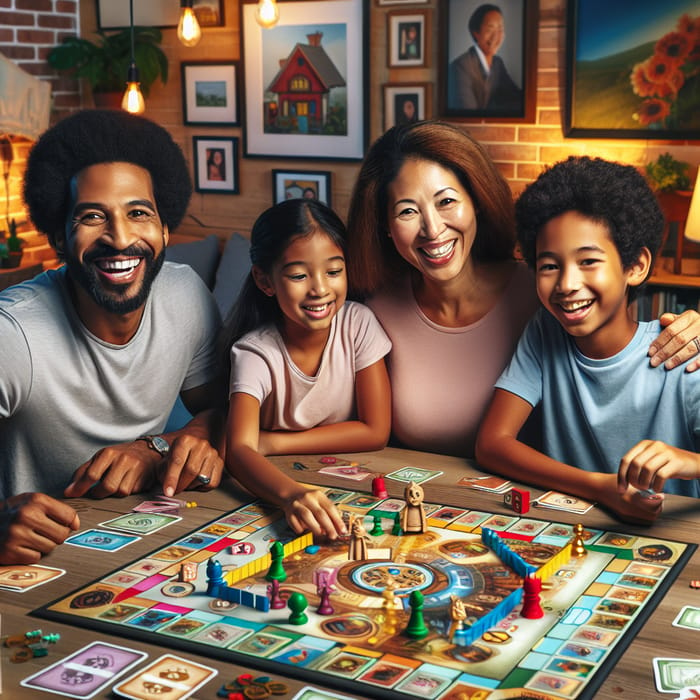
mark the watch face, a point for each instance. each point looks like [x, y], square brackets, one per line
[161, 444]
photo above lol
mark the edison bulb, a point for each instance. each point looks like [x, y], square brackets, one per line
[188, 30]
[267, 13]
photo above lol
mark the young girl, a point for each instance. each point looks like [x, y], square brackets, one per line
[307, 366]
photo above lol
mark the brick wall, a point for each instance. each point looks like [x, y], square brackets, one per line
[28, 30]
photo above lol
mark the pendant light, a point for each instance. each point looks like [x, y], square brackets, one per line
[188, 30]
[267, 13]
[133, 99]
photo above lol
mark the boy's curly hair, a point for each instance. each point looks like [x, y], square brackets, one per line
[609, 193]
[96, 136]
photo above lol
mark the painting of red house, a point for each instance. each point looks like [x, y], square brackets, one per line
[306, 96]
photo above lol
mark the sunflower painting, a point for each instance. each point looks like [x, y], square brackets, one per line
[633, 69]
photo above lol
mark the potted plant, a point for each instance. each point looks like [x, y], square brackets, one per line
[105, 62]
[11, 249]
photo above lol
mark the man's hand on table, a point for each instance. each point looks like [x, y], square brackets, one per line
[31, 525]
[120, 470]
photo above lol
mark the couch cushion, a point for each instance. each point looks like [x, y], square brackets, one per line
[232, 272]
[202, 256]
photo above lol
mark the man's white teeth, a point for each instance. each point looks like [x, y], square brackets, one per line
[118, 265]
[440, 251]
[576, 305]
[316, 308]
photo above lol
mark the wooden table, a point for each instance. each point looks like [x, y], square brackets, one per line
[632, 677]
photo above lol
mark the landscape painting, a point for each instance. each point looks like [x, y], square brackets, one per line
[634, 69]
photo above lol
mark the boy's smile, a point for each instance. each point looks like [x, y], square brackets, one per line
[582, 283]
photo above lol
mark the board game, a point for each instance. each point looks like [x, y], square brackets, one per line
[350, 628]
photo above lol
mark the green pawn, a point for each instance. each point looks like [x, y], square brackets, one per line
[297, 604]
[276, 571]
[396, 529]
[416, 628]
[377, 526]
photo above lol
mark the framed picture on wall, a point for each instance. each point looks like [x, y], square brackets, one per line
[305, 81]
[210, 93]
[402, 2]
[408, 38]
[310, 184]
[215, 164]
[114, 14]
[474, 35]
[405, 103]
[640, 78]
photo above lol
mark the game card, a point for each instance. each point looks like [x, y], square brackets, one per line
[562, 501]
[169, 678]
[141, 523]
[309, 693]
[688, 617]
[350, 471]
[673, 675]
[102, 540]
[415, 474]
[494, 484]
[20, 578]
[87, 671]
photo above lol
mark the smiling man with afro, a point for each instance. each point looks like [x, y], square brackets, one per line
[94, 354]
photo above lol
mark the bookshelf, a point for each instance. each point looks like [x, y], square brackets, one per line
[668, 291]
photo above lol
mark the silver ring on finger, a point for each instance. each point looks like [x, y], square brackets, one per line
[203, 479]
[696, 340]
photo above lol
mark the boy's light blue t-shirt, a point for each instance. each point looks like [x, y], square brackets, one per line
[594, 411]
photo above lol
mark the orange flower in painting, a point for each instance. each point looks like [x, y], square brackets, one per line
[652, 110]
[658, 68]
[641, 85]
[676, 80]
[674, 47]
[689, 26]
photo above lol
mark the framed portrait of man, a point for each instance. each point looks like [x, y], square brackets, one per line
[488, 64]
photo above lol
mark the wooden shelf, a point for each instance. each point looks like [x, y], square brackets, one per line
[661, 278]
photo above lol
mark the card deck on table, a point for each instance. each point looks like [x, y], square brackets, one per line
[87, 671]
[688, 617]
[20, 578]
[168, 678]
[350, 471]
[141, 523]
[415, 474]
[673, 675]
[562, 501]
[496, 484]
[101, 539]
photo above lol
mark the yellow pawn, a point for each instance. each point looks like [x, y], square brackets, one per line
[578, 548]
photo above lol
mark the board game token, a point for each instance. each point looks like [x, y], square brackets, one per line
[177, 589]
[695, 583]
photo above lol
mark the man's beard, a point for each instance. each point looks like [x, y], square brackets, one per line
[113, 297]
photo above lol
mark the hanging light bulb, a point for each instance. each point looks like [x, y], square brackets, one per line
[188, 30]
[267, 13]
[133, 99]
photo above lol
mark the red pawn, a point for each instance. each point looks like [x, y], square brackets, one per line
[532, 610]
[379, 487]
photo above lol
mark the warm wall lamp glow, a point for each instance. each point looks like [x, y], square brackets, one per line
[267, 13]
[133, 99]
[188, 30]
[692, 224]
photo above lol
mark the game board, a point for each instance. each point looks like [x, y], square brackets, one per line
[593, 605]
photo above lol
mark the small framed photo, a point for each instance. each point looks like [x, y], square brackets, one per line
[402, 2]
[210, 93]
[215, 164]
[310, 184]
[408, 38]
[405, 103]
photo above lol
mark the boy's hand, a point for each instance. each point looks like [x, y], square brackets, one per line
[32, 524]
[630, 505]
[312, 510]
[650, 462]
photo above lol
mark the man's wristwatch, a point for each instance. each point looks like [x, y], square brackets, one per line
[157, 443]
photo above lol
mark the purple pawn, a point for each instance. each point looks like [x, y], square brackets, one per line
[324, 605]
[273, 591]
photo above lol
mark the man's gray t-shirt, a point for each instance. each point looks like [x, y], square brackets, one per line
[65, 394]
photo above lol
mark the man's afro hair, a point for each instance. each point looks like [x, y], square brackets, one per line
[95, 136]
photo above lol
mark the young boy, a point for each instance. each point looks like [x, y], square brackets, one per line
[615, 429]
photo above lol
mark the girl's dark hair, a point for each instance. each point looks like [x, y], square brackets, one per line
[95, 136]
[372, 255]
[272, 233]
